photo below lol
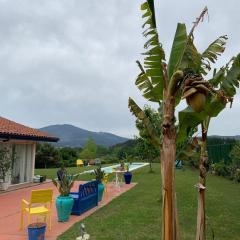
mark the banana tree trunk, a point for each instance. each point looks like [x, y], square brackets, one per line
[201, 218]
[168, 157]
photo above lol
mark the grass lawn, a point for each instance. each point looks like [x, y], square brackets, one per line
[137, 213]
[52, 172]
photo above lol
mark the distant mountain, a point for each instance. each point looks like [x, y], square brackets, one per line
[127, 144]
[71, 136]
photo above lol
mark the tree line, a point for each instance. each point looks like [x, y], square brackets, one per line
[140, 149]
[50, 156]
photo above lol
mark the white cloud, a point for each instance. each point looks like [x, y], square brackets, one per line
[73, 61]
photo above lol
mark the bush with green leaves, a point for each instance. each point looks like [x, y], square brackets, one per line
[69, 155]
[5, 162]
[47, 156]
[221, 169]
[237, 175]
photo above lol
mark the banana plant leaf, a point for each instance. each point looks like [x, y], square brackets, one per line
[214, 105]
[228, 77]
[231, 81]
[150, 81]
[211, 54]
[151, 88]
[178, 49]
[218, 77]
[188, 119]
[191, 58]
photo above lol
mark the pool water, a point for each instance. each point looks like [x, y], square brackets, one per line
[133, 166]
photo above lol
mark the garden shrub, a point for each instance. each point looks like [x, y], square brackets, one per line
[221, 169]
[237, 175]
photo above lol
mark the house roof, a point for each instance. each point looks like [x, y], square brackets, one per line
[12, 130]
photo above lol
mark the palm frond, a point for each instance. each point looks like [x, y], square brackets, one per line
[211, 54]
[150, 82]
[187, 148]
[218, 77]
[232, 79]
[191, 58]
[178, 49]
[227, 78]
[188, 120]
[150, 87]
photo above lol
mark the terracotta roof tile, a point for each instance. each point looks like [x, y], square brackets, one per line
[12, 129]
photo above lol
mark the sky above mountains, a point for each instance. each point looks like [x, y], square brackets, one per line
[71, 61]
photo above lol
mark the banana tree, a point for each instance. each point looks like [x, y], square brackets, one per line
[168, 83]
[160, 83]
[226, 80]
[208, 99]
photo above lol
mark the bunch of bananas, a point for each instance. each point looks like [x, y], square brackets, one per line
[195, 90]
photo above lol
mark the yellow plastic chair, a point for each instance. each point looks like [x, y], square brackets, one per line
[105, 181]
[40, 204]
[79, 163]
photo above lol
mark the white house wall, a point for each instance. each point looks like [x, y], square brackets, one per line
[33, 159]
[29, 162]
[25, 154]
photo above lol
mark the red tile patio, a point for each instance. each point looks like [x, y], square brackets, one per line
[10, 206]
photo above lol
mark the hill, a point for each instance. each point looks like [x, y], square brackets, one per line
[130, 143]
[72, 136]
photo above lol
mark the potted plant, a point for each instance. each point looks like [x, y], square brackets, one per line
[127, 175]
[122, 166]
[61, 172]
[36, 231]
[5, 166]
[64, 202]
[99, 174]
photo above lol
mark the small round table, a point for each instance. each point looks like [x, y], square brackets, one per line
[118, 179]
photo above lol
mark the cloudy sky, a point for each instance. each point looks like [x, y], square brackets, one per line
[73, 61]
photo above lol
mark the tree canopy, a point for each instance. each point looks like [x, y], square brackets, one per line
[89, 150]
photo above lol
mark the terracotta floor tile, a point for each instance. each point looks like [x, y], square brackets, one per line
[10, 206]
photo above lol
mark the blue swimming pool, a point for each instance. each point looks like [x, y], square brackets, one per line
[133, 166]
